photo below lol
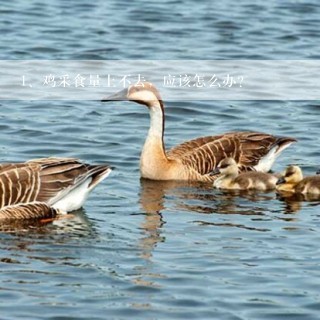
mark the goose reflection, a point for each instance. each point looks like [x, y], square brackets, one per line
[192, 197]
[30, 238]
[75, 224]
[152, 200]
[157, 196]
[196, 197]
[293, 201]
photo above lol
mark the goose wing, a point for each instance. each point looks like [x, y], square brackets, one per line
[8, 166]
[19, 184]
[189, 146]
[59, 176]
[45, 180]
[247, 148]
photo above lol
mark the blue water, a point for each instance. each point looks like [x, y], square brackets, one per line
[152, 250]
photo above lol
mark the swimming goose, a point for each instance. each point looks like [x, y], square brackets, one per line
[292, 181]
[229, 178]
[63, 183]
[33, 210]
[195, 159]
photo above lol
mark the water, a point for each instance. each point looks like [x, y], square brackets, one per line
[152, 250]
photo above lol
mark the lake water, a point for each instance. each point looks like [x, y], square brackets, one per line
[154, 250]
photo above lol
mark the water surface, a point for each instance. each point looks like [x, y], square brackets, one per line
[152, 250]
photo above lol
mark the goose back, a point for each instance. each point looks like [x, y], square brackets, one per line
[46, 180]
[246, 148]
[19, 184]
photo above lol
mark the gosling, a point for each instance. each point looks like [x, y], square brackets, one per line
[293, 181]
[230, 178]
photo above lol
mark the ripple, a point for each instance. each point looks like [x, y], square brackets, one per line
[160, 250]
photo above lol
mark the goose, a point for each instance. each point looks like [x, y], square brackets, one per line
[28, 211]
[62, 183]
[194, 160]
[229, 178]
[292, 181]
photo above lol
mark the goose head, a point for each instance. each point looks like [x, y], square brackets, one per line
[144, 93]
[292, 175]
[318, 172]
[227, 167]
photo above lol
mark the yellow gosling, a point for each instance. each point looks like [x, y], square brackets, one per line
[292, 181]
[229, 178]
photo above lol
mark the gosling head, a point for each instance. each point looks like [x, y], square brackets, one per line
[292, 175]
[227, 167]
[142, 92]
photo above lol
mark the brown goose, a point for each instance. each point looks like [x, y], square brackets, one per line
[292, 181]
[28, 211]
[63, 183]
[229, 178]
[195, 159]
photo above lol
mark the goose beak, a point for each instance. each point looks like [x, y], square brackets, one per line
[280, 181]
[215, 172]
[118, 96]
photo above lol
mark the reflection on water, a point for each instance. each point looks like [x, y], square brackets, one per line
[294, 201]
[23, 226]
[75, 224]
[232, 225]
[197, 197]
[29, 234]
[153, 250]
[152, 203]
[155, 197]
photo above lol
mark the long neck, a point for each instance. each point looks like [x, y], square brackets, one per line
[156, 130]
[153, 152]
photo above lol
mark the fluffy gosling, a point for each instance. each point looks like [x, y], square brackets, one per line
[229, 178]
[293, 181]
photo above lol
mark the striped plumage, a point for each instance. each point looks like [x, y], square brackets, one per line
[293, 181]
[63, 183]
[27, 211]
[195, 159]
[246, 148]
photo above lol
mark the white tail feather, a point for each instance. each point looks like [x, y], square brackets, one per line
[265, 164]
